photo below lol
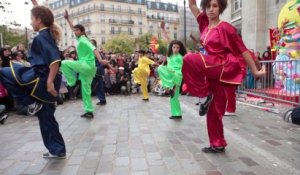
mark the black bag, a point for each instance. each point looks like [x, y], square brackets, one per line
[295, 116]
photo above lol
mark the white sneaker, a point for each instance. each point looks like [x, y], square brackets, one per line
[230, 114]
[34, 108]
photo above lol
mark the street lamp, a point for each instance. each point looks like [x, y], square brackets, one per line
[184, 19]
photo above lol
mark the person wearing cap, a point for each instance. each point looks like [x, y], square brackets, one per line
[123, 83]
[85, 66]
[142, 72]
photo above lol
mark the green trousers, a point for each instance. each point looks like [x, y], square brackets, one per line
[86, 72]
[169, 79]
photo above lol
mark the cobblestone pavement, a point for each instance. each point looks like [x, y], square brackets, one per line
[132, 137]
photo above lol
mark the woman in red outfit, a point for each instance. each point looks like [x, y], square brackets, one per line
[207, 75]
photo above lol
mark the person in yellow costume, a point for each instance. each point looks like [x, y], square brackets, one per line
[142, 72]
[171, 76]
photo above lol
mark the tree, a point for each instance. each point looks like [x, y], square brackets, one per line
[122, 43]
[163, 47]
[11, 38]
[143, 41]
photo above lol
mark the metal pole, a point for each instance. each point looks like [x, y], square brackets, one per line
[26, 38]
[184, 19]
[1, 39]
[184, 16]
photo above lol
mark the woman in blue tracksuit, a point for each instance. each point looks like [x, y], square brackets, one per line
[37, 86]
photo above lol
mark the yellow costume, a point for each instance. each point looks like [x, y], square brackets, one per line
[141, 74]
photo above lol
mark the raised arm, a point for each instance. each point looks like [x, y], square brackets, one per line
[193, 6]
[34, 2]
[67, 17]
[165, 33]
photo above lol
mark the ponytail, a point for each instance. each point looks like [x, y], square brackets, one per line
[55, 31]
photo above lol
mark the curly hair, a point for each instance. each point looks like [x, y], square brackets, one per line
[47, 19]
[206, 3]
[182, 49]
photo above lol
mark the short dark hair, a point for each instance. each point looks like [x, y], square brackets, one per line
[222, 4]
[141, 51]
[94, 42]
[80, 27]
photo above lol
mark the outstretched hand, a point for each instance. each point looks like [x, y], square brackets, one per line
[261, 73]
[66, 15]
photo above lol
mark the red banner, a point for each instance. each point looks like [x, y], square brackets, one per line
[274, 39]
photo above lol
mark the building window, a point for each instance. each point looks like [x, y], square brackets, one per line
[157, 5]
[119, 8]
[139, 1]
[102, 18]
[237, 5]
[103, 30]
[175, 35]
[236, 9]
[103, 40]
[102, 7]
[139, 11]
[140, 31]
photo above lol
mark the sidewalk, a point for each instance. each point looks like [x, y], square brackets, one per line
[129, 136]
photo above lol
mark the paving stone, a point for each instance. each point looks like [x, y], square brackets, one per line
[122, 161]
[138, 164]
[128, 136]
[34, 169]
[248, 161]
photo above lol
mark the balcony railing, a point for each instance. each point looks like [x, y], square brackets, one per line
[236, 15]
[96, 8]
[116, 32]
[86, 21]
[115, 21]
[172, 20]
[118, 10]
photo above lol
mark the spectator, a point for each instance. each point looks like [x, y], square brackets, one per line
[123, 83]
[5, 57]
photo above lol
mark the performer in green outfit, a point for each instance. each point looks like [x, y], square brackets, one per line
[84, 66]
[171, 76]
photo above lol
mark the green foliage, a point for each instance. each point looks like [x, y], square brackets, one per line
[163, 47]
[143, 41]
[121, 43]
[11, 38]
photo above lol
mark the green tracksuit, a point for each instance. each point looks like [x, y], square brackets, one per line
[85, 66]
[171, 76]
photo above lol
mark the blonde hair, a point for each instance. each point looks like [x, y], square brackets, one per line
[47, 19]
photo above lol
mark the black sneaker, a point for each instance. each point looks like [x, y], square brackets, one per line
[176, 117]
[212, 149]
[146, 99]
[88, 115]
[34, 108]
[51, 156]
[204, 106]
[137, 85]
[101, 103]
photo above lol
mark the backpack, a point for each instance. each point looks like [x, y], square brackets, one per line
[295, 115]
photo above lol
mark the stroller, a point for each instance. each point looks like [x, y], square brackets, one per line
[3, 114]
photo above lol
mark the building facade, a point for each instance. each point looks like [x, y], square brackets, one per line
[253, 20]
[104, 19]
[191, 23]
